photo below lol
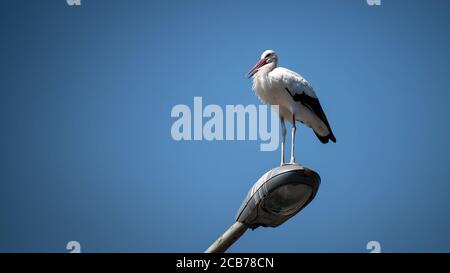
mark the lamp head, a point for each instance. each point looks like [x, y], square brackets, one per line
[278, 195]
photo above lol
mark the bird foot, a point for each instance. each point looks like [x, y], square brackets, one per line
[292, 162]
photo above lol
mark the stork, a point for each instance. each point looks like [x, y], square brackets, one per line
[295, 97]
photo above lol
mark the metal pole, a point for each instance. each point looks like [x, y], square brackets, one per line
[228, 238]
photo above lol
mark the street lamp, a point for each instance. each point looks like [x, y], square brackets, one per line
[277, 196]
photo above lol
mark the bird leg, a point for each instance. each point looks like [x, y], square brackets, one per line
[293, 139]
[283, 139]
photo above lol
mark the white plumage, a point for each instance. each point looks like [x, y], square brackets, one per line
[295, 96]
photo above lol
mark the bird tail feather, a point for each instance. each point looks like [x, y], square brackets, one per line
[325, 139]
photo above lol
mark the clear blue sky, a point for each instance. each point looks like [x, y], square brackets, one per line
[86, 151]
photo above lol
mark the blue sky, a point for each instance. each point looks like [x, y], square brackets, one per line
[87, 154]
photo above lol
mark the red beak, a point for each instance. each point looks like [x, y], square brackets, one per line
[253, 71]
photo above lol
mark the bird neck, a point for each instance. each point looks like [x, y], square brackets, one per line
[263, 71]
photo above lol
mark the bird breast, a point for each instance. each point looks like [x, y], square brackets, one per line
[263, 88]
[271, 91]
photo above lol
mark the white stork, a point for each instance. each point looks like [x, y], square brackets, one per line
[295, 97]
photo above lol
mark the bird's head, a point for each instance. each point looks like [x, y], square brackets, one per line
[267, 62]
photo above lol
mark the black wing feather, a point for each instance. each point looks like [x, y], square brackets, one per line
[313, 104]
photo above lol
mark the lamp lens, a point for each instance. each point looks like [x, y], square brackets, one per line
[287, 199]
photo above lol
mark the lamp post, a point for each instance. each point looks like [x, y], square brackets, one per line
[277, 196]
